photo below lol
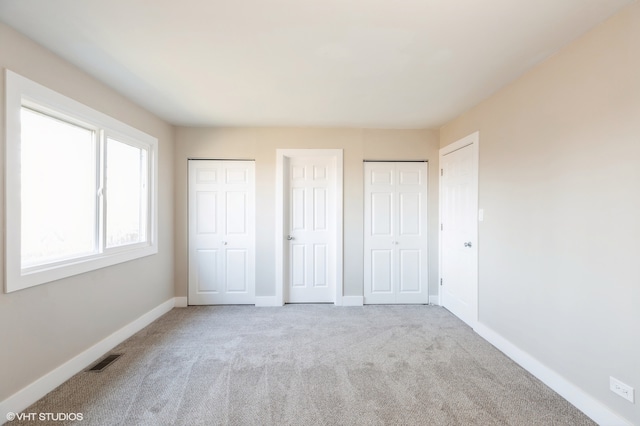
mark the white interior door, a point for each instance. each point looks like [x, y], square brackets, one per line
[395, 232]
[310, 221]
[459, 228]
[221, 232]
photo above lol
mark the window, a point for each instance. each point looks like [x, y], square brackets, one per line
[80, 187]
[126, 177]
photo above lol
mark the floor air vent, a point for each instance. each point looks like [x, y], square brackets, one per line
[107, 361]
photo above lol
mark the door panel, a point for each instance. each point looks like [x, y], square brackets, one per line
[381, 176]
[395, 232]
[409, 177]
[410, 271]
[298, 265]
[382, 271]
[237, 271]
[320, 265]
[221, 232]
[236, 176]
[236, 213]
[204, 176]
[320, 209]
[206, 213]
[298, 209]
[311, 198]
[381, 213]
[207, 261]
[409, 214]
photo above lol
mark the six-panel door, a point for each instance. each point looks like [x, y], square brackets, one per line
[311, 224]
[395, 232]
[458, 206]
[221, 232]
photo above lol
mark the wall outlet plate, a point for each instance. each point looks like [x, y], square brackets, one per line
[622, 389]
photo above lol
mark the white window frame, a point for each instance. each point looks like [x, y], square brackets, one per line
[19, 92]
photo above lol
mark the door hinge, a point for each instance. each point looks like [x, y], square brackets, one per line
[441, 227]
[441, 172]
[440, 281]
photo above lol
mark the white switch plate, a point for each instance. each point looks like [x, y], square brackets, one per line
[621, 389]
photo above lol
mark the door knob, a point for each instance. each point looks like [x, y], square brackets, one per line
[289, 237]
[467, 244]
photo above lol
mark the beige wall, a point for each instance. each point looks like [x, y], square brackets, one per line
[261, 144]
[45, 326]
[560, 189]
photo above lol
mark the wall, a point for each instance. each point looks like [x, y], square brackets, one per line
[261, 144]
[42, 327]
[559, 185]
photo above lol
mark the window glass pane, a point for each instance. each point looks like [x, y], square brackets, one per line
[126, 194]
[58, 189]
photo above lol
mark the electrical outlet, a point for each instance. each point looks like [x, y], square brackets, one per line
[621, 389]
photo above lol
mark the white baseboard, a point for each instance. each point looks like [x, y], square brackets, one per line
[352, 300]
[434, 300]
[267, 301]
[180, 302]
[45, 384]
[590, 406]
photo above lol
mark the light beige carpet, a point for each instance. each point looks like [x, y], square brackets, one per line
[309, 365]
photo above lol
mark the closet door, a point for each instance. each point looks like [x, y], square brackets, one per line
[221, 232]
[395, 233]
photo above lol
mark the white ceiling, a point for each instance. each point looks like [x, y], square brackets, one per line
[337, 63]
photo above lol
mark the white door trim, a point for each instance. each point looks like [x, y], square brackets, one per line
[281, 156]
[473, 140]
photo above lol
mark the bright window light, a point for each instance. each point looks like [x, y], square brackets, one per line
[127, 194]
[58, 189]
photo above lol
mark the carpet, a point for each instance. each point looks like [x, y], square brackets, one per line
[309, 365]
